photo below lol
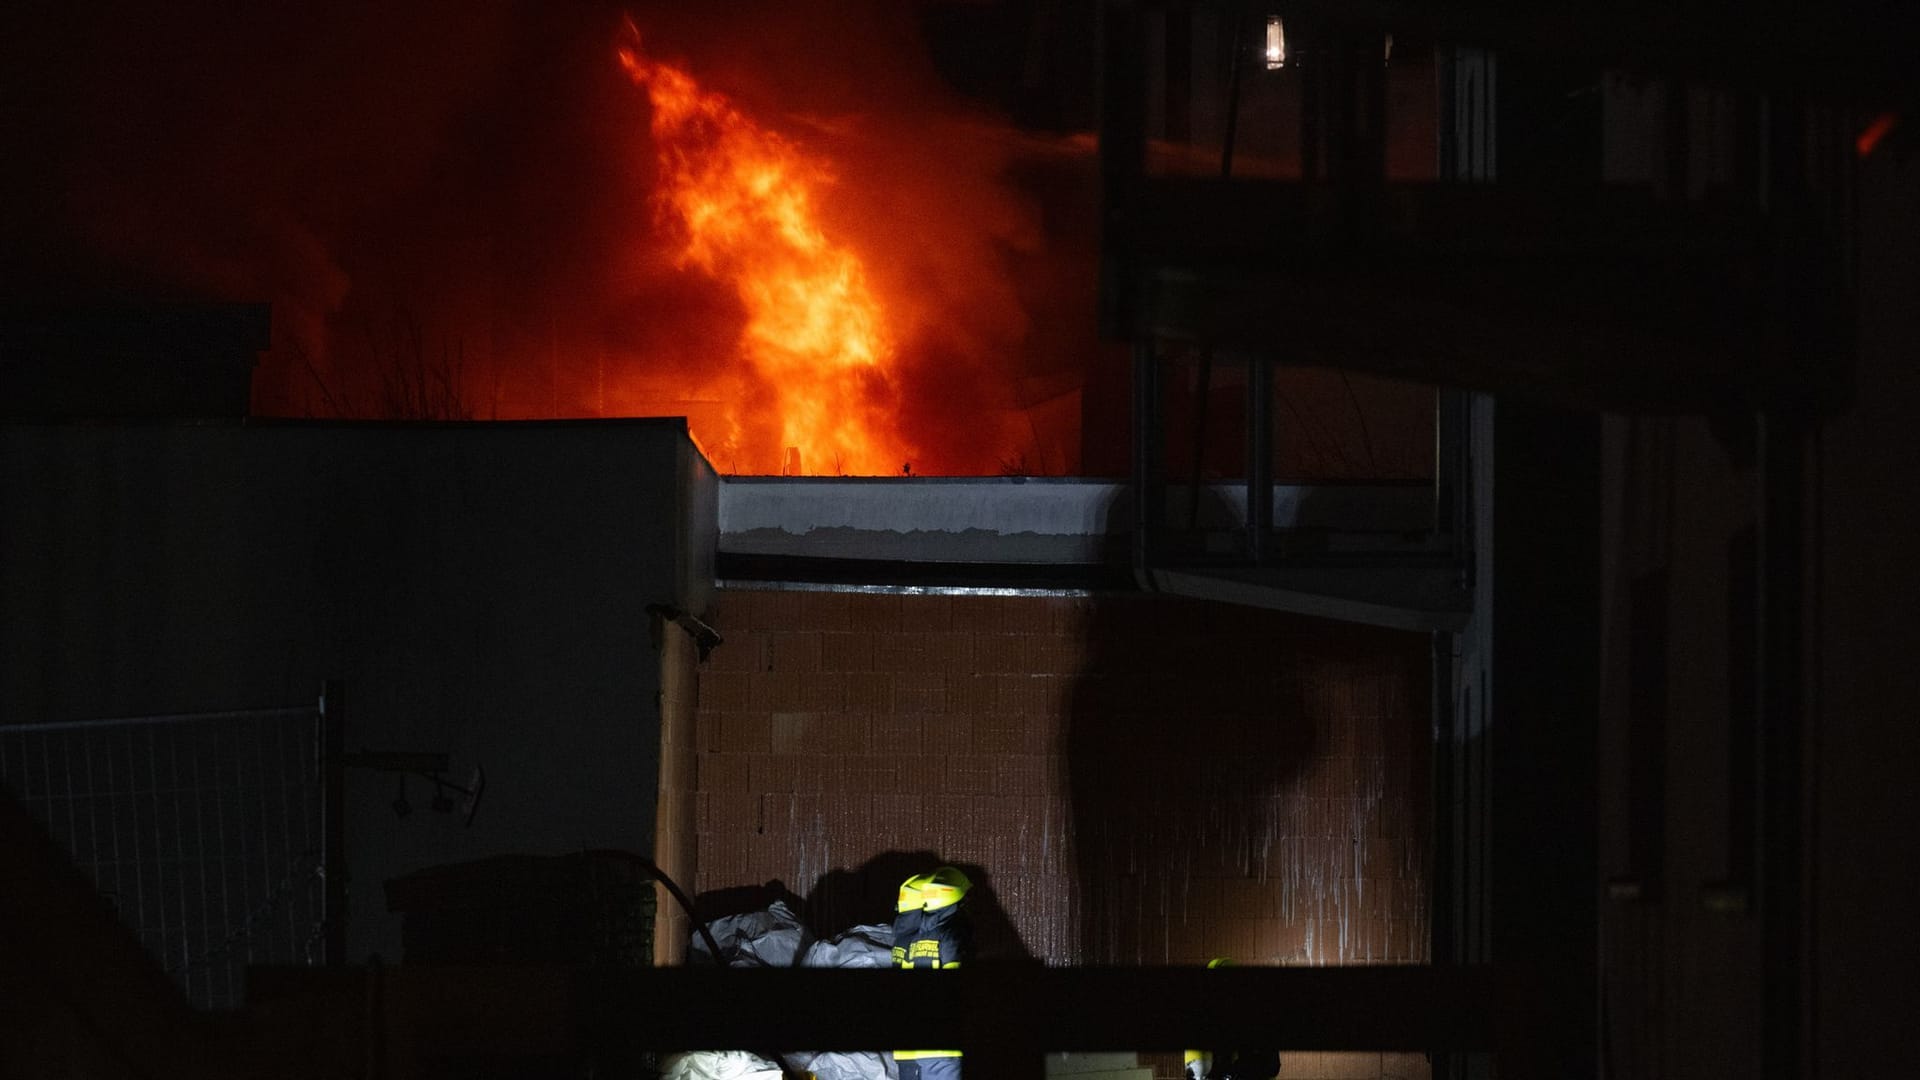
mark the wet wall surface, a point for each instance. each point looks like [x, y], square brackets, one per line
[1133, 779]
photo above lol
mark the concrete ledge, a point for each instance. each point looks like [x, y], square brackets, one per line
[1015, 520]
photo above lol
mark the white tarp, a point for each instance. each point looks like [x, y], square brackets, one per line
[719, 1065]
[770, 938]
[776, 938]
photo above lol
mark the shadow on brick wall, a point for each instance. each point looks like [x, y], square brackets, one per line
[846, 898]
[1188, 728]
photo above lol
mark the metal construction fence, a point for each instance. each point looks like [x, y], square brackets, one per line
[203, 830]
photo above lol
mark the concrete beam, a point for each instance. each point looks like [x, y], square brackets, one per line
[1022, 520]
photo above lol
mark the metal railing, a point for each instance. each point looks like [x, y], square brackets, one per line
[203, 830]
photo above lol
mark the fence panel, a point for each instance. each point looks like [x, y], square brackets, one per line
[203, 830]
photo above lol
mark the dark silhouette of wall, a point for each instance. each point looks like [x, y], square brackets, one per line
[480, 588]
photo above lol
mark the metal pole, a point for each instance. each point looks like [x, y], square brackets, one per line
[58, 726]
[1259, 458]
[1148, 486]
[1198, 474]
[1442, 736]
[1780, 858]
[1177, 56]
[1238, 13]
[1312, 98]
[1123, 157]
[333, 866]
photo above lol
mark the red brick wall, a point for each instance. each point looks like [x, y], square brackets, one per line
[1137, 779]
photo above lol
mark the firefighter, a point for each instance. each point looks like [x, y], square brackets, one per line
[1231, 1064]
[930, 931]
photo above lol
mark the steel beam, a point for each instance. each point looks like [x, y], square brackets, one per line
[1844, 51]
[333, 821]
[1394, 597]
[1259, 460]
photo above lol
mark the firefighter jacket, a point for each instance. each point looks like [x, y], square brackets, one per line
[932, 939]
[930, 932]
[1232, 1065]
[930, 925]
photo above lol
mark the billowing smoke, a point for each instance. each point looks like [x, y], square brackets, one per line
[458, 196]
[228, 152]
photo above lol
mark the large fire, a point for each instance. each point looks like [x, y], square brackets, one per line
[817, 362]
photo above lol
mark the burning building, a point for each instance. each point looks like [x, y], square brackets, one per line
[1475, 611]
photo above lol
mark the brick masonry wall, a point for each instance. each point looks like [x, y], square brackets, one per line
[1130, 779]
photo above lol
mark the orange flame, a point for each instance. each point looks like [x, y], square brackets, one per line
[815, 351]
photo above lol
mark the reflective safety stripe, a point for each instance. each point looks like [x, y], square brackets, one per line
[940, 896]
[924, 954]
[943, 888]
[915, 1055]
